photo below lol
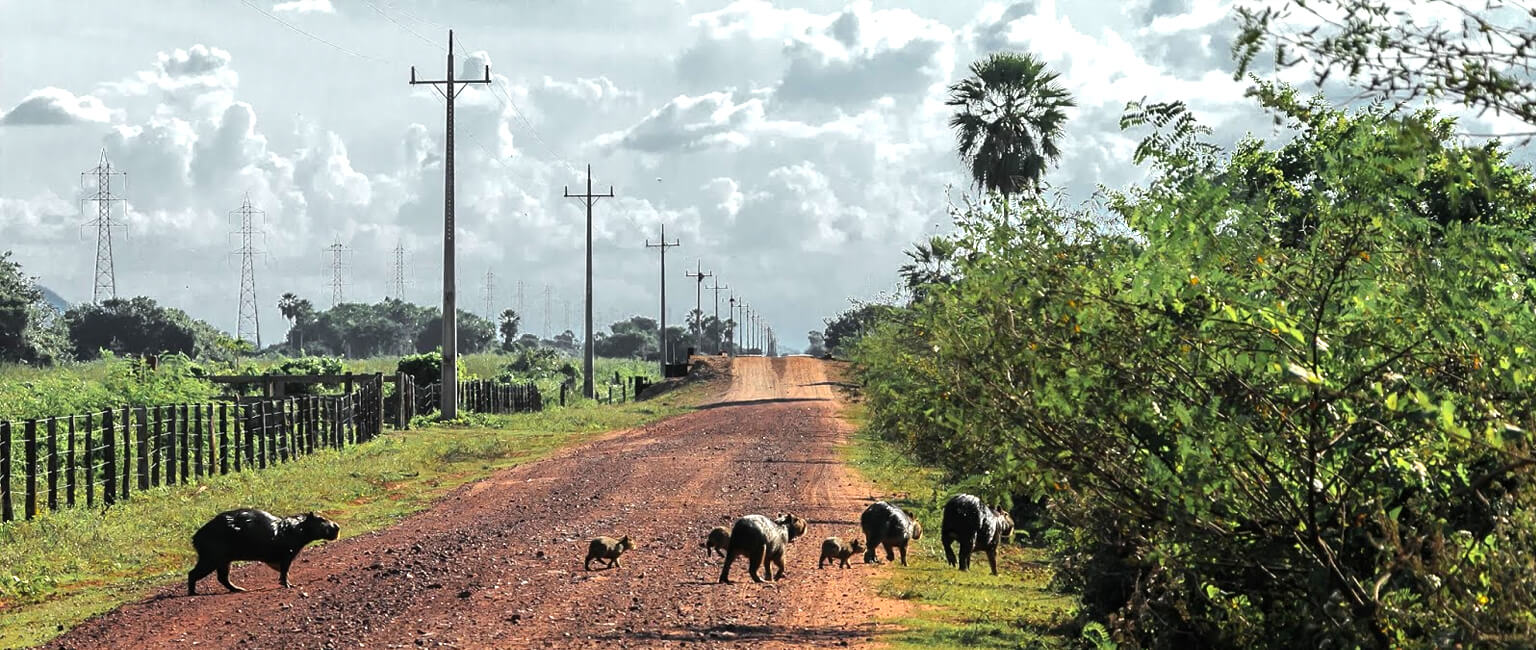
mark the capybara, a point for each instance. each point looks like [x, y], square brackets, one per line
[249, 535]
[607, 548]
[762, 541]
[887, 525]
[719, 539]
[837, 550]
[976, 527]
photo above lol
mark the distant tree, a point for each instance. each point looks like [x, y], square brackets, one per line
[931, 264]
[818, 343]
[510, 319]
[528, 341]
[140, 326]
[298, 312]
[30, 328]
[851, 325]
[476, 334]
[1010, 116]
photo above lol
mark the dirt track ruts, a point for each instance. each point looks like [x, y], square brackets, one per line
[497, 563]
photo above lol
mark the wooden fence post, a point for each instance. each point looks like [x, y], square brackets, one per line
[224, 437]
[186, 432]
[197, 437]
[250, 436]
[109, 464]
[6, 511]
[53, 463]
[90, 461]
[31, 446]
[69, 466]
[128, 448]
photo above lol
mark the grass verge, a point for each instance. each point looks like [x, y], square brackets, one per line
[63, 568]
[974, 609]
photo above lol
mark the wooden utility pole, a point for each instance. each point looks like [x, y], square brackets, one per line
[586, 358]
[730, 333]
[718, 324]
[450, 88]
[698, 303]
[661, 342]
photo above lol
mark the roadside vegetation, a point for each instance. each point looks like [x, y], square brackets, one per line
[66, 566]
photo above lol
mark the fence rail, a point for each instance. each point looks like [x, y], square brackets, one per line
[104, 457]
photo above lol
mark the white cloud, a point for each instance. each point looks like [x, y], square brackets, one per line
[305, 6]
[56, 106]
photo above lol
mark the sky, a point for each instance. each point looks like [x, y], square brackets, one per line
[794, 149]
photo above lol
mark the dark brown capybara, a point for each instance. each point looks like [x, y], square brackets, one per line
[886, 525]
[607, 548]
[976, 527]
[762, 541]
[250, 535]
[838, 551]
[719, 538]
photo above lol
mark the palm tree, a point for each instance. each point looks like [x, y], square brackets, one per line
[292, 308]
[1009, 118]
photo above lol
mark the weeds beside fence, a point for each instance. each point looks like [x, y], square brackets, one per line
[102, 457]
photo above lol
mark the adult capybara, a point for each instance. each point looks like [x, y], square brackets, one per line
[249, 535]
[976, 527]
[887, 525]
[762, 541]
[607, 548]
[837, 550]
[719, 538]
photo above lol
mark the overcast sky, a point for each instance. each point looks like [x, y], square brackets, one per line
[794, 151]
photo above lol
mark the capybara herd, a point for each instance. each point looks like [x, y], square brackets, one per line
[249, 535]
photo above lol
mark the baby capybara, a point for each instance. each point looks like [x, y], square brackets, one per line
[719, 538]
[249, 535]
[886, 525]
[837, 550]
[976, 527]
[607, 548]
[762, 541]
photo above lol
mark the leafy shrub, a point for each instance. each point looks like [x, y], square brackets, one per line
[306, 366]
[1285, 405]
[427, 368]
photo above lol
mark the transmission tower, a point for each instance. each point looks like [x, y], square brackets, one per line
[398, 279]
[520, 311]
[546, 312]
[106, 278]
[490, 296]
[248, 324]
[338, 253]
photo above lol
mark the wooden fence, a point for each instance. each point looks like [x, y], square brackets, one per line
[104, 457]
[480, 396]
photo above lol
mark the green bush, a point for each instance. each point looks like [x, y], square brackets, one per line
[427, 368]
[75, 389]
[306, 366]
[1284, 405]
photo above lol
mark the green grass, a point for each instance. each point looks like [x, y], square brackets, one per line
[67, 566]
[973, 609]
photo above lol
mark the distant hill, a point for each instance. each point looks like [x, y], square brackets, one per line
[54, 299]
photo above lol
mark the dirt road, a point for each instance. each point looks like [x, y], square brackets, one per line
[498, 563]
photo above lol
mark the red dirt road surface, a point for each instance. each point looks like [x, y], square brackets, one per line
[498, 563]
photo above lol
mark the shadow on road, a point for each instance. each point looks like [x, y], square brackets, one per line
[770, 400]
[794, 635]
[843, 384]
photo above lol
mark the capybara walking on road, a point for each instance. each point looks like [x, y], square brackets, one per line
[838, 551]
[762, 541]
[719, 538]
[976, 527]
[249, 535]
[887, 525]
[607, 548]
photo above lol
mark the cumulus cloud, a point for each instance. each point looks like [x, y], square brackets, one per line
[691, 123]
[56, 106]
[305, 6]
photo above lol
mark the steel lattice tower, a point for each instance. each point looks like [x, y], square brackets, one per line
[547, 333]
[106, 278]
[490, 296]
[248, 325]
[520, 298]
[398, 279]
[338, 253]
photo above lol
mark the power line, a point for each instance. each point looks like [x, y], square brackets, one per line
[339, 266]
[504, 98]
[587, 199]
[248, 323]
[106, 275]
[661, 342]
[449, 88]
[295, 28]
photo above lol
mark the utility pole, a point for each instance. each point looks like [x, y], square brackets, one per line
[398, 279]
[730, 333]
[586, 357]
[338, 252]
[490, 295]
[661, 342]
[248, 324]
[698, 303]
[449, 88]
[718, 325]
[106, 278]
